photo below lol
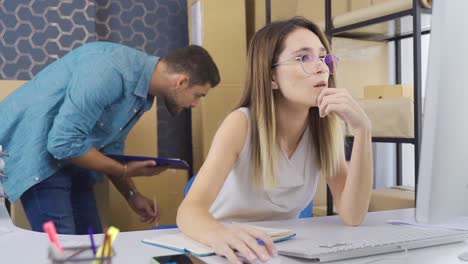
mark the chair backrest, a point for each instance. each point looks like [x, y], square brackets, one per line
[307, 212]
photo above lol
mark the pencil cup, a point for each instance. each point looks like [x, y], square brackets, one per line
[82, 254]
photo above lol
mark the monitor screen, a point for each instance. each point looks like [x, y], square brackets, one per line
[442, 192]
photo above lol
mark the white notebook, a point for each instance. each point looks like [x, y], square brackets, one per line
[182, 243]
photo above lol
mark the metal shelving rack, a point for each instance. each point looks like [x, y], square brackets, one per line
[346, 32]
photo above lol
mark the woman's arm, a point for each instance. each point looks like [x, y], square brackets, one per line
[193, 216]
[352, 186]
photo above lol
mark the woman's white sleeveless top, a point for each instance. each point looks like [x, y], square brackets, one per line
[297, 179]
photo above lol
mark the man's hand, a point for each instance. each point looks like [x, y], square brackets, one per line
[144, 168]
[144, 207]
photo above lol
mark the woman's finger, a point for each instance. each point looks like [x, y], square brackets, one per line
[335, 108]
[240, 245]
[331, 100]
[225, 250]
[329, 91]
[254, 245]
[265, 239]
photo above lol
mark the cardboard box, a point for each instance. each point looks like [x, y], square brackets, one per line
[361, 63]
[220, 27]
[377, 2]
[388, 91]
[207, 118]
[389, 117]
[315, 10]
[359, 4]
[321, 210]
[9, 86]
[168, 186]
[392, 198]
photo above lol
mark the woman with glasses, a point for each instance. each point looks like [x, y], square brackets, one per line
[266, 157]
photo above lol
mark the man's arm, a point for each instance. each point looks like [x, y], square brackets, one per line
[96, 161]
[117, 172]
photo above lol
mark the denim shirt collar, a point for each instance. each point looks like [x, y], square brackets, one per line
[142, 86]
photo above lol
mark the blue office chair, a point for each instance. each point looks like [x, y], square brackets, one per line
[307, 212]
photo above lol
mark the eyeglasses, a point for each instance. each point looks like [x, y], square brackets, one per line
[311, 63]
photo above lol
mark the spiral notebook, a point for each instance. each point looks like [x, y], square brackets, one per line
[181, 243]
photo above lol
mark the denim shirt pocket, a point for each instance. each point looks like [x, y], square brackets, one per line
[102, 129]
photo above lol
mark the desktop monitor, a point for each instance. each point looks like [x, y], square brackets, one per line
[442, 192]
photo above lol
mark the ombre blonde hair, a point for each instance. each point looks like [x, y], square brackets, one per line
[326, 133]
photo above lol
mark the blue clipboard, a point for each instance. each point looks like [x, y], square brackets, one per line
[172, 163]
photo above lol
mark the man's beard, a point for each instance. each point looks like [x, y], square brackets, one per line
[172, 106]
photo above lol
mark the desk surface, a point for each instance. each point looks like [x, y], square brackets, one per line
[21, 246]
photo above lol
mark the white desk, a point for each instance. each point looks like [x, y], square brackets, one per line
[22, 246]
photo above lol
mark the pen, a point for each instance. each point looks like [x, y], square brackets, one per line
[100, 252]
[49, 228]
[93, 246]
[109, 249]
[109, 234]
[260, 242]
[156, 222]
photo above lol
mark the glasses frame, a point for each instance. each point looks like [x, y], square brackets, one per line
[300, 59]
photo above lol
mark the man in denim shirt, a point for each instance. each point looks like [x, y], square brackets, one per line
[56, 127]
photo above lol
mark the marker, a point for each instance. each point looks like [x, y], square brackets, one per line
[49, 228]
[109, 234]
[93, 246]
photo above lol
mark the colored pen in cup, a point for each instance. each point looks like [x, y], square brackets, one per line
[93, 246]
[49, 228]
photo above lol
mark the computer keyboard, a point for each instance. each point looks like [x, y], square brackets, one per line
[371, 241]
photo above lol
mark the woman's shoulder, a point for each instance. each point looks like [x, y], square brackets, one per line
[234, 130]
[239, 119]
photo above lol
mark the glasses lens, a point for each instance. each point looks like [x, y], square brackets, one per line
[309, 63]
[332, 62]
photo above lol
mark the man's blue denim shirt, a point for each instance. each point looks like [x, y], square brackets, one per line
[89, 98]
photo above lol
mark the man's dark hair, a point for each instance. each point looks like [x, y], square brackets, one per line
[195, 62]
